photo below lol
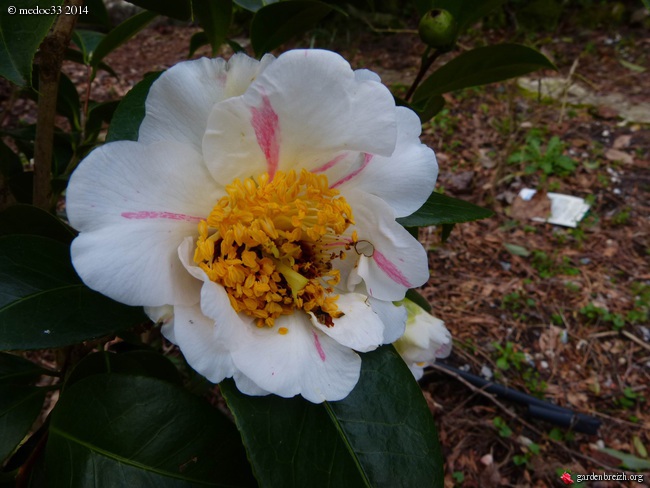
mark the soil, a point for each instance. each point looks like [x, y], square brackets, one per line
[564, 309]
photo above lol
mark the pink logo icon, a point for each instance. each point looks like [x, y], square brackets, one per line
[566, 477]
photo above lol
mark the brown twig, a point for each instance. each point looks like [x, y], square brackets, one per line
[50, 59]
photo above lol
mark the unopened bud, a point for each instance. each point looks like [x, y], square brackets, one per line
[438, 29]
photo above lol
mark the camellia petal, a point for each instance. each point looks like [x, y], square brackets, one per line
[393, 316]
[391, 260]
[132, 220]
[360, 328]
[302, 361]
[180, 101]
[404, 179]
[304, 106]
[200, 339]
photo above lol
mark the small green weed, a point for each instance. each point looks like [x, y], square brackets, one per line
[508, 357]
[629, 398]
[502, 427]
[595, 314]
[530, 450]
[550, 160]
[517, 303]
[547, 266]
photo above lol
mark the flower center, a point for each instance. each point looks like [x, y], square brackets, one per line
[271, 243]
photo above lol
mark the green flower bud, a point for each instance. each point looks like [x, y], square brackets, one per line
[438, 29]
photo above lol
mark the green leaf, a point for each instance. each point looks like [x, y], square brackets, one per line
[139, 363]
[446, 231]
[17, 370]
[418, 299]
[381, 435]
[516, 250]
[87, 41]
[481, 66]
[176, 9]
[19, 407]
[30, 220]
[143, 432]
[44, 304]
[130, 112]
[198, 40]
[77, 57]
[431, 108]
[254, 5]
[214, 16]
[441, 209]
[628, 461]
[97, 115]
[118, 36]
[20, 36]
[278, 23]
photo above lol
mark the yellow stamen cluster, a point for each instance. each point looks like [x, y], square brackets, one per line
[271, 243]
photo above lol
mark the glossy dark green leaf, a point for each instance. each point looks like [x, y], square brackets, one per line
[16, 370]
[418, 299]
[254, 5]
[198, 40]
[176, 9]
[138, 363]
[77, 57]
[118, 36]
[278, 23]
[441, 209]
[481, 66]
[143, 432]
[431, 108]
[20, 36]
[130, 112]
[99, 114]
[87, 41]
[19, 407]
[214, 17]
[30, 220]
[381, 435]
[44, 304]
[446, 231]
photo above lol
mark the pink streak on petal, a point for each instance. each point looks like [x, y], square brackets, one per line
[329, 164]
[319, 348]
[266, 126]
[366, 159]
[142, 215]
[390, 269]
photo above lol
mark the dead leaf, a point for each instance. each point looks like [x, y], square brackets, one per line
[539, 206]
[617, 155]
[622, 141]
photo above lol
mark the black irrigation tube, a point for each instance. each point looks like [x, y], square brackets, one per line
[537, 408]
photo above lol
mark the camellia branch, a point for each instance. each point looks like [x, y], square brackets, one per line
[50, 59]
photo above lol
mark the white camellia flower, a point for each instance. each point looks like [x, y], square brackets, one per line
[425, 339]
[255, 218]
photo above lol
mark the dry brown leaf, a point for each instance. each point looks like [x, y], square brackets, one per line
[539, 206]
[618, 155]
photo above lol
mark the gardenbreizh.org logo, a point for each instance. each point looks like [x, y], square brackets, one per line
[569, 478]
